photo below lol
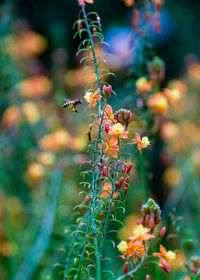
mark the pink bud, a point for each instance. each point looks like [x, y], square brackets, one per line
[147, 277]
[120, 118]
[135, 18]
[123, 170]
[109, 89]
[151, 222]
[107, 127]
[99, 21]
[162, 231]
[147, 218]
[117, 164]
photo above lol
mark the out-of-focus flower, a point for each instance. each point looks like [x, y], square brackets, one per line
[35, 172]
[79, 143]
[156, 69]
[122, 246]
[130, 224]
[165, 258]
[12, 116]
[158, 4]
[35, 87]
[107, 189]
[194, 72]
[77, 77]
[143, 85]
[173, 95]
[31, 112]
[141, 143]
[158, 103]
[92, 98]
[46, 158]
[135, 18]
[56, 141]
[111, 147]
[26, 45]
[82, 2]
[118, 130]
[129, 3]
[141, 233]
[172, 176]
[169, 130]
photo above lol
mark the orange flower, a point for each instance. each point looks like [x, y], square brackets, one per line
[143, 85]
[82, 2]
[92, 98]
[158, 102]
[109, 114]
[165, 257]
[118, 130]
[135, 249]
[111, 147]
[129, 3]
[107, 188]
[142, 143]
[140, 234]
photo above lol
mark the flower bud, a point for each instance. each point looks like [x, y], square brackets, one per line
[109, 89]
[162, 231]
[123, 170]
[80, 25]
[99, 21]
[121, 181]
[107, 127]
[125, 269]
[129, 168]
[117, 164]
[135, 18]
[86, 199]
[147, 218]
[147, 277]
[151, 222]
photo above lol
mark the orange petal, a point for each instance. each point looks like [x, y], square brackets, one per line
[163, 250]
[113, 153]
[89, 1]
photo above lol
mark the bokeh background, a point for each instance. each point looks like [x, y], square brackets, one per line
[42, 145]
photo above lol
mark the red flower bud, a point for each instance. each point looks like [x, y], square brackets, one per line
[123, 170]
[127, 183]
[107, 127]
[99, 21]
[162, 231]
[121, 181]
[125, 269]
[80, 26]
[117, 164]
[129, 168]
[109, 89]
[135, 18]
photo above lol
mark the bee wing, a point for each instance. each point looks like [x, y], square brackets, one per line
[67, 99]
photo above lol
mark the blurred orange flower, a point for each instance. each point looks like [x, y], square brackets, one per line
[158, 102]
[12, 116]
[107, 189]
[143, 85]
[35, 172]
[55, 141]
[26, 45]
[129, 3]
[35, 87]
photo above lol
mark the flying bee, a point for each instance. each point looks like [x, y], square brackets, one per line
[72, 104]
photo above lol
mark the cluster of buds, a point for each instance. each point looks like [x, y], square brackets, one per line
[151, 214]
[123, 116]
[156, 69]
[194, 267]
[107, 90]
[124, 180]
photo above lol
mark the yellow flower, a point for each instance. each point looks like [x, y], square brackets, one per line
[145, 142]
[171, 255]
[122, 246]
[141, 233]
[118, 130]
[31, 112]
